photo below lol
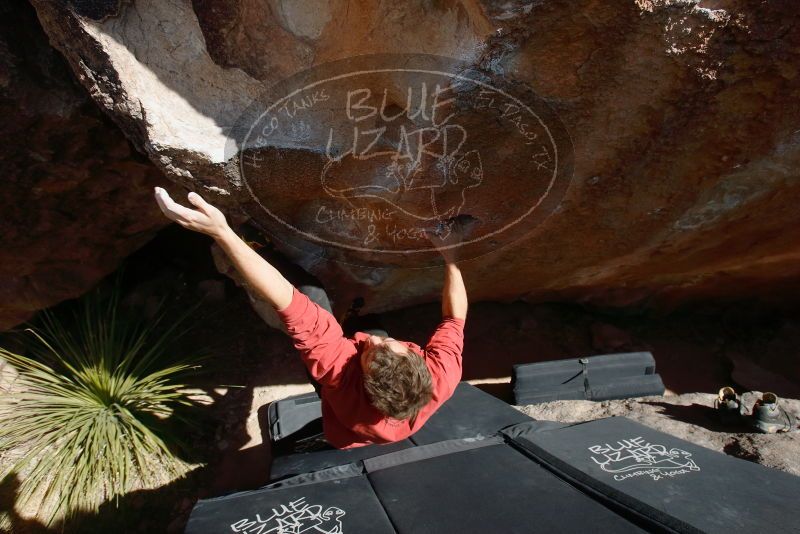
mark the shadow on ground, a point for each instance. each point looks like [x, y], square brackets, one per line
[699, 415]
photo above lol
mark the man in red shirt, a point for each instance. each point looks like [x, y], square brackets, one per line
[374, 389]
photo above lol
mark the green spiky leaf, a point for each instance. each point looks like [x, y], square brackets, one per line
[89, 405]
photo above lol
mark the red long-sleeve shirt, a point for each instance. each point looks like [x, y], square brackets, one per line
[348, 418]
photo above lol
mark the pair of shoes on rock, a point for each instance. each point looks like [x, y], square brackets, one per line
[766, 416]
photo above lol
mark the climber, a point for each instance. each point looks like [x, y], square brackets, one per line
[374, 389]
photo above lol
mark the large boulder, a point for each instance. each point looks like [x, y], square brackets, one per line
[671, 129]
[75, 192]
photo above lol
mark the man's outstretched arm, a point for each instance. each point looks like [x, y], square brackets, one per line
[315, 332]
[264, 279]
[454, 294]
[447, 342]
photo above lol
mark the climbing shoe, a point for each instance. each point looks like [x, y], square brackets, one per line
[728, 406]
[769, 417]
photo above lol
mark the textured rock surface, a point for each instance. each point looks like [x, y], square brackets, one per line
[683, 117]
[690, 417]
[75, 193]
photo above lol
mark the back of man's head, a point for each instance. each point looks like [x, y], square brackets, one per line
[398, 384]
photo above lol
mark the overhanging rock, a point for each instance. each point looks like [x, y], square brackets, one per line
[677, 127]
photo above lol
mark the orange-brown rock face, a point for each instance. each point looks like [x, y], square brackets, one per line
[75, 194]
[621, 153]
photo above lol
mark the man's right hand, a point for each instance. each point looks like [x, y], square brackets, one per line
[449, 234]
[206, 219]
[444, 247]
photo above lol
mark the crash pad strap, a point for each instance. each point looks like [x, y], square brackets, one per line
[587, 390]
[338, 472]
[424, 452]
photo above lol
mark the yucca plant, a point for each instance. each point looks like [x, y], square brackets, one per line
[93, 404]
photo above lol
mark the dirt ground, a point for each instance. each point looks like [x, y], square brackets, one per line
[696, 350]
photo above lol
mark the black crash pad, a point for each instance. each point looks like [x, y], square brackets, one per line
[603, 377]
[469, 413]
[463, 486]
[293, 415]
[671, 484]
[328, 504]
[622, 388]
[489, 488]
